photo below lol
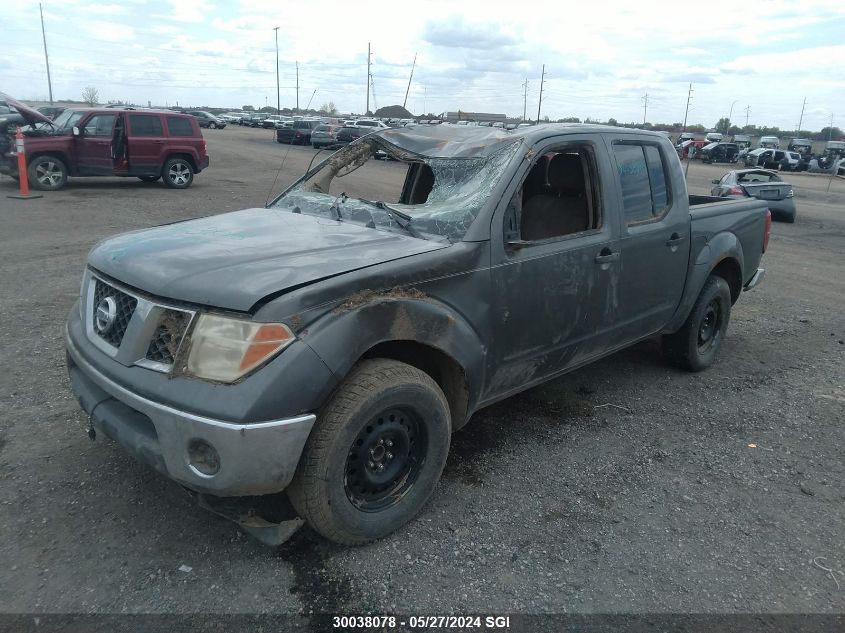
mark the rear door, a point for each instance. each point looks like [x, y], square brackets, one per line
[145, 143]
[654, 248]
[94, 152]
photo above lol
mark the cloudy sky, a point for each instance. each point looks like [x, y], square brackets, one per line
[601, 57]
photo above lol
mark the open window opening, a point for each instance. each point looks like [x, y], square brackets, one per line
[558, 197]
[380, 185]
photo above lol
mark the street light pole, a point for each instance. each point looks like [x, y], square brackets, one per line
[278, 94]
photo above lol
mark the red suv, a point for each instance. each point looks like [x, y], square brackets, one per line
[147, 144]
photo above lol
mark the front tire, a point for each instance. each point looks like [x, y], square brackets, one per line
[212, 125]
[694, 347]
[47, 173]
[177, 173]
[375, 454]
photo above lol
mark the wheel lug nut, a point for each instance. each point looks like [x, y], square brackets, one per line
[381, 467]
[389, 455]
[390, 442]
[380, 442]
[371, 464]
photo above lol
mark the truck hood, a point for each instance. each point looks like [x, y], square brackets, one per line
[234, 260]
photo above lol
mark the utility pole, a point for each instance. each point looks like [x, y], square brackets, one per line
[409, 81]
[689, 98]
[425, 100]
[297, 87]
[368, 78]
[747, 112]
[46, 58]
[645, 107]
[524, 99]
[801, 120]
[278, 94]
[540, 103]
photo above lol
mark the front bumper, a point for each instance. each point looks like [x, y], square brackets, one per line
[255, 458]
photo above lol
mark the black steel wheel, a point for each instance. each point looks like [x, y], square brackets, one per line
[375, 453]
[385, 460]
[695, 345]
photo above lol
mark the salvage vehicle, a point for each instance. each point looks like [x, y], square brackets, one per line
[769, 142]
[206, 119]
[147, 144]
[329, 344]
[299, 133]
[720, 153]
[803, 146]
[761, 184]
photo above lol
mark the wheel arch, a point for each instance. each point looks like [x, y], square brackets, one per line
[185, 155]
[62, 156]
[424, 333]
[722, 256]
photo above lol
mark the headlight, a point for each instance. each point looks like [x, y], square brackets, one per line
[225, 349]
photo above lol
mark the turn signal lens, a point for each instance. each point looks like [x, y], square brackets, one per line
[226, 349]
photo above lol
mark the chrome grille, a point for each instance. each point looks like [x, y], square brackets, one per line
[125, 308]
[168, 336]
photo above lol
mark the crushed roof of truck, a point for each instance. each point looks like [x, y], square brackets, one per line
[459, 141]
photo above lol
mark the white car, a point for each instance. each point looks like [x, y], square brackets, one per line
[368, 123]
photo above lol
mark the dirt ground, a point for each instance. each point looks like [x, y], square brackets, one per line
[627, 486]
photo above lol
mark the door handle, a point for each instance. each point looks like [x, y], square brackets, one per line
[606, 256]
[675, 239]
[159, 142]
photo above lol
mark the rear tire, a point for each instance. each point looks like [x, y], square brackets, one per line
[694, 347]
[212, 125]
[177, 173]
[375, 454]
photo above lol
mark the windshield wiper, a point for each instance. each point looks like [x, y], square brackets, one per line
[402, 219]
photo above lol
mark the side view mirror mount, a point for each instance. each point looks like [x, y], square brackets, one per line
[76, 131]
[715, 181]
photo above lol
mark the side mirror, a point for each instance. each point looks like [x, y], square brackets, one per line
[76, 131]
[715, 181]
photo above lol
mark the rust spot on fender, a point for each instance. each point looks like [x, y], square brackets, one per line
[364, 297]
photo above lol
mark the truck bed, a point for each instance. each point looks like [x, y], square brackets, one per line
[713, 219]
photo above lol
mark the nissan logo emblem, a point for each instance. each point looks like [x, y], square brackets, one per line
[105, 315]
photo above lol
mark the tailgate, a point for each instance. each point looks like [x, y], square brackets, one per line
[767, 190]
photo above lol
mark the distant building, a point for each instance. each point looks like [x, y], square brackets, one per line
[460, 115]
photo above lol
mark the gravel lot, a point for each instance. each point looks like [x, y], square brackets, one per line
[627, 486]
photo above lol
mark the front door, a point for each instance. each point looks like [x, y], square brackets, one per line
[654, 247]
[553, 258]
[94, 156]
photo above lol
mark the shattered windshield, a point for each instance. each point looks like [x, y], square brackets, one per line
[373, 183]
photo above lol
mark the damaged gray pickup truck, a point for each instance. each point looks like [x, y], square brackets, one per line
[329, 344]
